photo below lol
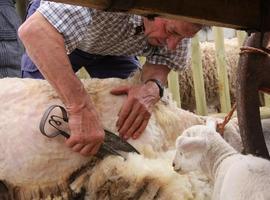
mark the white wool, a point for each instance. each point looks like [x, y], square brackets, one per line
[231, 132]
[38, 165]
[232, 135]
[125, 177]
[235, 176]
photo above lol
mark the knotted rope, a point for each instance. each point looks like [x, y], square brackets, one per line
[221, 126]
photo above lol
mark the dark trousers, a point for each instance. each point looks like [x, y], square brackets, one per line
[11, 49]
[97, 66]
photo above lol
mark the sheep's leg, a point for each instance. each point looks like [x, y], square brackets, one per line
[253, 74]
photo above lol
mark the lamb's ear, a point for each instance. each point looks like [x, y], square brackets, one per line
[188, 144]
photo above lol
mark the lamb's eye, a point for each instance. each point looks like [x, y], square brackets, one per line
[181, 153]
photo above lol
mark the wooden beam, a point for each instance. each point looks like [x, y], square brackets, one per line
[238, 14]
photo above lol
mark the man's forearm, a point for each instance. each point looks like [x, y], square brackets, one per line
[159, 72]
[45, 46]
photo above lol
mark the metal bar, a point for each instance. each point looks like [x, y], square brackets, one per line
[253, 73]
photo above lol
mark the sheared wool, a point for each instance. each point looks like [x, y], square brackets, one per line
[36, 167]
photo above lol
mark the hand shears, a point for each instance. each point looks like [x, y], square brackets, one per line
[57, 118]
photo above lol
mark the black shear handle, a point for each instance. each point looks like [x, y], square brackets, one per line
[45, 117]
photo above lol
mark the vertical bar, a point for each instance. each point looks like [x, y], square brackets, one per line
[267, 100]
[241, 36]
[173, 83]
[197, 74]
[223, 82]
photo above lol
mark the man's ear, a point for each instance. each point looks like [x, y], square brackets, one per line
[188, 144]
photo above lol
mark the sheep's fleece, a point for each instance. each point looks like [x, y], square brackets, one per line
[35, 167]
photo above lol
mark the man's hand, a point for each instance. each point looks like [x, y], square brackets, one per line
[87, 132]
[136, 110]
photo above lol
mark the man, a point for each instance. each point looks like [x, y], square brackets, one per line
[97, 66]
[11, 48]
[57, 29]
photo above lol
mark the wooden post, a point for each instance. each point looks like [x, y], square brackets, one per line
[241, 36]
[223, 82]
[173, 83]
[197, 74]
[267, 100]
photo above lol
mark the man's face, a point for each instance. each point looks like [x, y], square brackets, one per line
[168, 32]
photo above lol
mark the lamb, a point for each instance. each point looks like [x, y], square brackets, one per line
[35, 167]
[235, 176]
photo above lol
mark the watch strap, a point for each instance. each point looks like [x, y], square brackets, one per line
[159, 84]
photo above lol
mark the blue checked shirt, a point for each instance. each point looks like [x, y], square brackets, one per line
[109, 33]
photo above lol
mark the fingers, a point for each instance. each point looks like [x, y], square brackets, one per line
[88, 150]
[135, 123]
[77, 147]
[83, 145]
[135, 112]
[124, 113]
[140, 130]
[73, 141]
[126, 119]
[120, 90]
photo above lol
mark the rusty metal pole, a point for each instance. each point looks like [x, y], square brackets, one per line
[253, 73]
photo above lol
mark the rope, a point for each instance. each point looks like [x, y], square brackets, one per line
[264, 51]
[221, 126]
[247, 49]
[266, 90]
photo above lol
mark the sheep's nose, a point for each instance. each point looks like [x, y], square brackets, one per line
[173, 164]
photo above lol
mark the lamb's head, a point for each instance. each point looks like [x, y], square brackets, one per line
[191, 147]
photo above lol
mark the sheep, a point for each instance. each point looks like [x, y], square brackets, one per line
[35, 167]
[210, 76]
[235, 176]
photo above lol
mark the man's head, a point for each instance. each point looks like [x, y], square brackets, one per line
[168, 32]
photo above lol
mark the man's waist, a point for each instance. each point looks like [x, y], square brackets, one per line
[86, 54]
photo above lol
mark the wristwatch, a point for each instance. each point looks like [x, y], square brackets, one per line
[159, 84]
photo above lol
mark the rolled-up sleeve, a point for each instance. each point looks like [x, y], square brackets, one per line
[175, 60]
[70, 21]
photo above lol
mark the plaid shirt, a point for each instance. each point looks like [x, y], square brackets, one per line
[109, 33]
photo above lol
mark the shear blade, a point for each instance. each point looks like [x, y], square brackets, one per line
[105, 150]
[117, 143]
